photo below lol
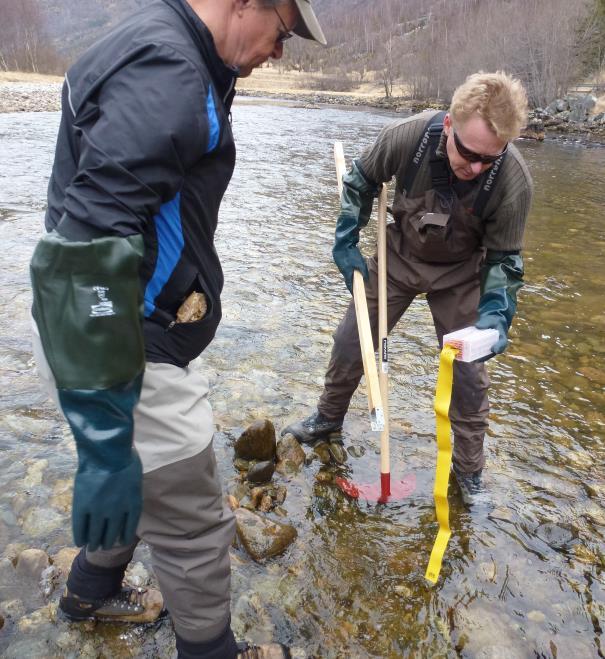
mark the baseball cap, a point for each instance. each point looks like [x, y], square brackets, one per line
[308, 27]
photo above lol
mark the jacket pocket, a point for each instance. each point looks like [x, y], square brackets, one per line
[180, 342]
[187, 340]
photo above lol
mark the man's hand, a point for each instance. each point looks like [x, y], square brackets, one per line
[107, 506]
[355, 209]
[501, 278]
[499, 323]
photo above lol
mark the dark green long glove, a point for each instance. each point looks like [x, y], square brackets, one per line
[88, 307]
[107, 488]
[356, 204]
[502, 277]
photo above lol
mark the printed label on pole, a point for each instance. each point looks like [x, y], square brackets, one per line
[385, 355]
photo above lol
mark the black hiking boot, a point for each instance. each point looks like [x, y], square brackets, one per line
[264, 651]
[471, 487]
[138, 605]
[313, 428]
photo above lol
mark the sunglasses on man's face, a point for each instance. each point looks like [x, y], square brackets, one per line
[471, 156]
[284, 33]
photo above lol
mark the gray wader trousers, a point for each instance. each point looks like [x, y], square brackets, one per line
[452, 292]
[185, 520]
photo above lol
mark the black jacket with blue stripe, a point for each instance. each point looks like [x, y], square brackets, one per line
[145, 147]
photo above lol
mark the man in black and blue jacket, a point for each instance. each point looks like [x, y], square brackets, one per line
[144, 155]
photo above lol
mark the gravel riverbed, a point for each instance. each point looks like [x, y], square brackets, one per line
[30, 96]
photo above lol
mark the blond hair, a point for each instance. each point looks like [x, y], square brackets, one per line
[498, 98]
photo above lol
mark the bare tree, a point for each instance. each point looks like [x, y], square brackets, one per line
[24, 45]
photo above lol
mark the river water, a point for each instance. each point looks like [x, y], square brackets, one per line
[523, 576]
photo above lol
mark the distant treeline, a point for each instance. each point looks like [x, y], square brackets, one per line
[416, 48]
[425, 48]
[24, 43]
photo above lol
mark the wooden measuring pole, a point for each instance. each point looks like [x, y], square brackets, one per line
[364, 329]
[383, 373]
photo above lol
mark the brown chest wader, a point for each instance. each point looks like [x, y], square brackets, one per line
[433, 247]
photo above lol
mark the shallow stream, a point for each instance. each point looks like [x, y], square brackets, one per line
[523, 576]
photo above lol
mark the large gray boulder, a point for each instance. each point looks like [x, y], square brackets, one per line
[581, 107]
[558, 105]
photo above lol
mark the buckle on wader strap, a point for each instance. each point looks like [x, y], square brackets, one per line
[441, 176]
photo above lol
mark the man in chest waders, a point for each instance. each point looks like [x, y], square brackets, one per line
[144, 154]
[462, 197]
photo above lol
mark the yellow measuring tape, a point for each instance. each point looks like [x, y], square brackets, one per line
[443, 396]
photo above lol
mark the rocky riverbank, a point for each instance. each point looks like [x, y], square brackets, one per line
[30, 96]
[581, 118]
[576, 117]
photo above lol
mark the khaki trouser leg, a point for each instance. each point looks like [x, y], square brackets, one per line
[454, 308]
[190, 529]
[346, 366]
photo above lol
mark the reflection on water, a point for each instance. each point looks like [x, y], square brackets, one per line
[523, 577]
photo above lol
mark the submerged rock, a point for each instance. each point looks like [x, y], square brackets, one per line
[257, 442]
[137, 575]
[62, 495]
[48, 580]
[261, 472]
[587, 556]
[13, 550]
[12, 609]
[338, 453]
[356, 451]
[260, 537]
[280, 494]
[35, 473]
[63, 559]
[9, 583]
[28, 647]
[487, 572]
[536, 616]
[290, 455]
[40, 617]
[557, 536]
[31, 564]
[322, 452]
[41, 522]
[241, 465]
[325, 477]
[256, 496]
[266, 497]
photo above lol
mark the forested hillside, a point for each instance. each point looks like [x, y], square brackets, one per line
[416, 48]
[425, 48]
